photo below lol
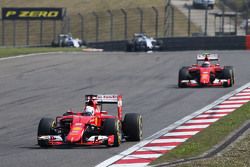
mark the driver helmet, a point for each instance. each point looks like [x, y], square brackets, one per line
[206, 64]
[89, 110]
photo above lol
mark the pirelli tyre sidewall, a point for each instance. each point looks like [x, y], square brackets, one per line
[183, 75]
[112, 126]
[228, 74]
[130, 46]
[231, 71]
[132, 126]
[45, 127]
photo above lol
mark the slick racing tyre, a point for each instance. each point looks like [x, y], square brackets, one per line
[132, 126]
[231, 71]
[112, 126]
[183, 75]
[228, 74]
[45, 127]
[130, 46]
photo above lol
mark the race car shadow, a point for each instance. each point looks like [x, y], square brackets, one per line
[197, 87]
[37, 147]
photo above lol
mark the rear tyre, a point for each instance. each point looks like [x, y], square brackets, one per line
[132, 127]
[130, 46]
[183, 75]
[45, 127]
[112, 126]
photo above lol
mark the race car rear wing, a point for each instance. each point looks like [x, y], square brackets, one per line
[107, 99]
[207, 57]
[103, 98]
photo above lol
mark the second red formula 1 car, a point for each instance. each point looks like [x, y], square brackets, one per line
[92, 126]
[206, 73]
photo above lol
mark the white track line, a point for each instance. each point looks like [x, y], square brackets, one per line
[139, 146]
[142, 156]
[193, 127]
[156, 148]
[130, 165]
[219, 111]
[235, 101]
[209, 115]
[203, 120]
[239, 97]
[168, 140]
[27, 55]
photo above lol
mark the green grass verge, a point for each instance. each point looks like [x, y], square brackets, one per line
[209, 137]
[8, 52]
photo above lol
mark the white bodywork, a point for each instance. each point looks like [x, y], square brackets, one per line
[50, 137]
[149, 40]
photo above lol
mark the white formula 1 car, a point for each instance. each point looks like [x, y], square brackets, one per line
[142, 42]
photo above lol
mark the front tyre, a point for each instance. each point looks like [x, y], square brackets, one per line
[112, 126]
[228, 74]
[231, 71]
[45, 127]
[183, 75]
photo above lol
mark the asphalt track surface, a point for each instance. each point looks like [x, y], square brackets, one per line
[47, 85]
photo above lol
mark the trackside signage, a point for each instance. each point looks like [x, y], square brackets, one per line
[32, 13]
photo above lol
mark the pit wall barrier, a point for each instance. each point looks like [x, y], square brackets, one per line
[185, 43]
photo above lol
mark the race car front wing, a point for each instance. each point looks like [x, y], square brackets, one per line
[55, 140]
[194, 83]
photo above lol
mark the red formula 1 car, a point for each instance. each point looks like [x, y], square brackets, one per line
[92, 126]
[204, 73]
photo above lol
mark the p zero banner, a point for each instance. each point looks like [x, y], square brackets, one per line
[32, 13]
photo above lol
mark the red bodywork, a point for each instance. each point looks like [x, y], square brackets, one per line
[205, 76]
[74, 127]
